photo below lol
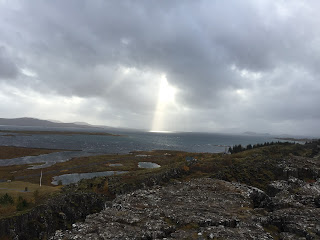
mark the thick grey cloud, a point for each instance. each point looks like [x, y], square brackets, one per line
[8, 69]
[249, 65]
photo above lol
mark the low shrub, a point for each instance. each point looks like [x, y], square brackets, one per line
[22, 204]
[6, 199]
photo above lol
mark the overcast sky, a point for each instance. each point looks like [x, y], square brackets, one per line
[217, 66]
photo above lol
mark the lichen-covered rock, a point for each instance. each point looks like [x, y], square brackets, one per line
[200, 209]
[294, 193]
[296, 213]
[302, 222]
[299, 167]
[207, 209]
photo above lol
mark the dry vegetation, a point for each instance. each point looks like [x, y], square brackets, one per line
[19, 191]
[20, 177]
[255, 167]
[8, 152]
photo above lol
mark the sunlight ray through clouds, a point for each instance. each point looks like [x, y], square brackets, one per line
[166, 99]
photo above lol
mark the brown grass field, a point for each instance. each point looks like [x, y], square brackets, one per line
[16, 178]
[255, 167]
[34, 195]
[7, 152]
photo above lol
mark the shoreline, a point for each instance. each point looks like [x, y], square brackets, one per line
[29, 132]
[10, 152]
[296, 139]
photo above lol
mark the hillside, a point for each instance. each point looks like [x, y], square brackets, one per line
[33, 122]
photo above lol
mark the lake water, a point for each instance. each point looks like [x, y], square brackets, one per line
[130, 141]
[148, 165]
[76, 177]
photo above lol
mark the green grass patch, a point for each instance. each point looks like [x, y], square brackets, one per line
[14, 198]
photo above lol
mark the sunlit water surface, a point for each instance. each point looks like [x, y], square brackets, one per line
[85, 145]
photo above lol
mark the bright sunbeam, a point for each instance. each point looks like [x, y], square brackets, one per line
[166, 92]
[165, 99]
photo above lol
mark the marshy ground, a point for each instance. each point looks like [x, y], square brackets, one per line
[16, 179]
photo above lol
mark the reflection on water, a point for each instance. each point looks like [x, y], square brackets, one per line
[46, 159]
[148, 165]
[129, 141]
[76, 177]
[115, 165]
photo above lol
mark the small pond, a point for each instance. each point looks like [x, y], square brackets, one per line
[76, 177]
[115, 165]
[148, 165]
[47, 160]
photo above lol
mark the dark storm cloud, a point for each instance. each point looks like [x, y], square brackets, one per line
[240, 59]
[8, 69]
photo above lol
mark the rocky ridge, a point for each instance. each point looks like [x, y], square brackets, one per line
[207, 209]
[74, 205]
[58, 213]
[200, 208]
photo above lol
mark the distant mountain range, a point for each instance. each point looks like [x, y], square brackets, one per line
[254, 133]
[34, 122]
[280, 136]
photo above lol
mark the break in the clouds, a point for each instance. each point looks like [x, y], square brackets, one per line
[218, 66]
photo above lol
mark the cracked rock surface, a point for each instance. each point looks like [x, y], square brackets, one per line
[207, 208]
[296, 211]
[199, 209]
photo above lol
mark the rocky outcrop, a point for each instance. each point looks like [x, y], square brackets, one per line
[207, 209]
[299, 167]
[64, 210]
[146, 180]
[59, 213]
[203, 208]
[296, 208]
